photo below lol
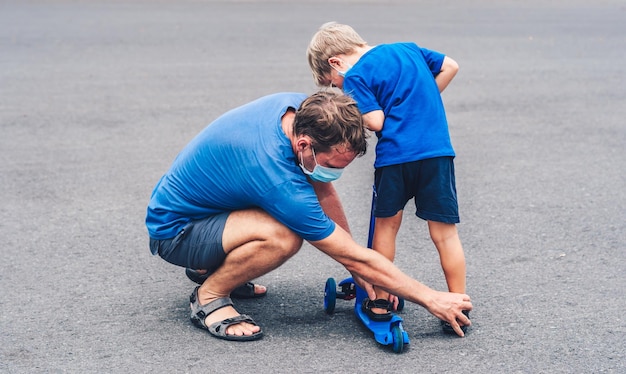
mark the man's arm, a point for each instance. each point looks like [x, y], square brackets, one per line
[376, 269]
[449, 68]
[329, 200]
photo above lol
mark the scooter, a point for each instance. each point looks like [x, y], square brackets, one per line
[385, 332]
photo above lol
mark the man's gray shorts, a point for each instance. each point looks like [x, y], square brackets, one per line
[197, 246]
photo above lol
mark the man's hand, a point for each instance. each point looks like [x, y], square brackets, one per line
[449, 307]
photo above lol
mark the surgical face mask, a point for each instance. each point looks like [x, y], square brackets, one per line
[320, 173]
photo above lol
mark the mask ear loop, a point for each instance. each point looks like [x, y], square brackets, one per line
[302, 160]
[314, 158]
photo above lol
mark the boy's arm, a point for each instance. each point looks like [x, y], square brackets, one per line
[374, 120]
[449, 68]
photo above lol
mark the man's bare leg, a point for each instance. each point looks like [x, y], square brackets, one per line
[259, 289]
[255, 244]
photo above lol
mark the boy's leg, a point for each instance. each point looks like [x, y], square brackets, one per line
[392, 195]
[436, 202]
[384, 242]
[446, 238]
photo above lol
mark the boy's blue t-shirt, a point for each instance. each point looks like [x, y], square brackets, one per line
[399, 79]
[240, 161]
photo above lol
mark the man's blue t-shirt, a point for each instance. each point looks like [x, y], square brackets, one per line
[399, 79]
[240, 161]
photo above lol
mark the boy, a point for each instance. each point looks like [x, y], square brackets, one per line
[397, 88]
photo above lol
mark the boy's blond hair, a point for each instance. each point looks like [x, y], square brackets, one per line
[331, 39]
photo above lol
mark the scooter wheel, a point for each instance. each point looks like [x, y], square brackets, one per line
[398, 339]
[330, 296]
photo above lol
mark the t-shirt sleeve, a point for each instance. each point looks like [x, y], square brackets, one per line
[295, 205]
[357, 88]
[433, 59]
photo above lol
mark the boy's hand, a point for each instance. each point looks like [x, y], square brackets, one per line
[449, 68]
[374, 120]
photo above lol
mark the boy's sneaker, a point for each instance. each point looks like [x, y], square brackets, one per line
[447, 328]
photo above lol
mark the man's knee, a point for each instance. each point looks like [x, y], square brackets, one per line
[285, 240]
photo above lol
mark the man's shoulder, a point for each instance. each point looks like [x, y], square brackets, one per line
[297, 97]
[268, 105]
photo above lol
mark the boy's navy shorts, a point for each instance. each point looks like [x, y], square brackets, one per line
[197, 246]
[431, 182]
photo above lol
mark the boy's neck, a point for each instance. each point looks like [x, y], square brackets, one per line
[355, 56]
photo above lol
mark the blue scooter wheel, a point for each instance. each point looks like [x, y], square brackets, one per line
[398, 339]
[330, 296]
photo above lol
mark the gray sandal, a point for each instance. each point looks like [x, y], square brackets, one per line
[218, 329]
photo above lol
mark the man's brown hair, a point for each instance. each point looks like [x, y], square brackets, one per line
[331, 119]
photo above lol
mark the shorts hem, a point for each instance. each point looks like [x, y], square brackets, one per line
[385, 214]
[438, 217]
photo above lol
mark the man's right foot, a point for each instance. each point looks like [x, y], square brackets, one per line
[221, 320]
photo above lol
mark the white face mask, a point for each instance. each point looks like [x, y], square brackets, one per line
[320, 173]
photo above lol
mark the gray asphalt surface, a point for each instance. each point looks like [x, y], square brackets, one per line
[97, 97]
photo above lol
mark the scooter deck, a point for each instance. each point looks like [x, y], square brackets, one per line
[385, 332]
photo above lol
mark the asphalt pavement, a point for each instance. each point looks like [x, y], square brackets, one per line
[98, 97]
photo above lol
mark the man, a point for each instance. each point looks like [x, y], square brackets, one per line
[242, 196]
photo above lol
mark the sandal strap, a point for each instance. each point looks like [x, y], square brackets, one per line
[201, 311]
[233, 321]
[379, 303]
[246, 289]
[219, 328]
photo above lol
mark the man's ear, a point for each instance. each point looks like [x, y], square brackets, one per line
[302, 143]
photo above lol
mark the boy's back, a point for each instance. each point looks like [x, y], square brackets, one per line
[399, 79]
